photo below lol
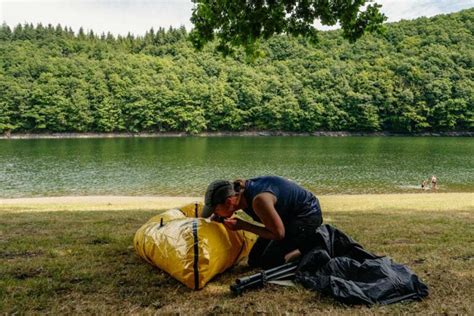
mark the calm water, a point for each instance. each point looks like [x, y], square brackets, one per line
[184, 166]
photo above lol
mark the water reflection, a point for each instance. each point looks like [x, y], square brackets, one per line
[184, 166]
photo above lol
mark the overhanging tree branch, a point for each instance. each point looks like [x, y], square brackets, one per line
[245, 22]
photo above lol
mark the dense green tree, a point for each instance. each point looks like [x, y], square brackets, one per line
[415, 77]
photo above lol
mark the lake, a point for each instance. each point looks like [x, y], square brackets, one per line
[183, 166]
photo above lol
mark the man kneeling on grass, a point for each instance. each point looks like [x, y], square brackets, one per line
[290, 215]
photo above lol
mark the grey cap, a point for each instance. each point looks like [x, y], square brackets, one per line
[217, 192]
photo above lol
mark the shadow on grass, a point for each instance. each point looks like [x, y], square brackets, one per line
[76, 262]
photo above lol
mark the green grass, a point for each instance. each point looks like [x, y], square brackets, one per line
[83, 262]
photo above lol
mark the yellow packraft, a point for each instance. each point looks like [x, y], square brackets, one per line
[191, 249]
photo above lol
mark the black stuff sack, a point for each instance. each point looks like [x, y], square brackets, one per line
[340, 267]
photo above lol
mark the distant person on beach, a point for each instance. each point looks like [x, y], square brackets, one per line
[434, 182]
[424, 184]
[289, 213]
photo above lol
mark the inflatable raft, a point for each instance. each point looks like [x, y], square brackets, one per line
[191, 249]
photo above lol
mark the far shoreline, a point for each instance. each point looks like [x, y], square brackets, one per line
[230, 134]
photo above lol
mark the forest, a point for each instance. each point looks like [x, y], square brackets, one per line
[416, 76]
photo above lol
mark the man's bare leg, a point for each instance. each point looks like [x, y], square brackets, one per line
[292, 255]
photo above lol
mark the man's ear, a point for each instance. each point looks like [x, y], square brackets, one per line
[230, 200]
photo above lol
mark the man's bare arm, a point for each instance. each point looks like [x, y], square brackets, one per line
[264, 207]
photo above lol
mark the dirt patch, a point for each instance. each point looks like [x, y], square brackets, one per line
[19, 254]
[418, 261]
[23, 274]
[100, 241]
[464, 258]
[399, 241]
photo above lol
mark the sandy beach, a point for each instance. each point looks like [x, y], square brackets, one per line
[363, 202]
[94, 203]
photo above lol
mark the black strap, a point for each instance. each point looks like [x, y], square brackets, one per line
[196, 255]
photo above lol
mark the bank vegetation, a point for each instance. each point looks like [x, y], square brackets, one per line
[415, 77]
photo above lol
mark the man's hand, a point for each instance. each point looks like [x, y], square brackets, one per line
[234, 223]
[217, 218]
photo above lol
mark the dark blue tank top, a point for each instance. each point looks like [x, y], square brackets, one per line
[292, 201]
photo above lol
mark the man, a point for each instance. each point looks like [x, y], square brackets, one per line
[289, 214]
[434, 182]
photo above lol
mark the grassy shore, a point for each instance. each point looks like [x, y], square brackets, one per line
[74, 255]
[225, 134]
